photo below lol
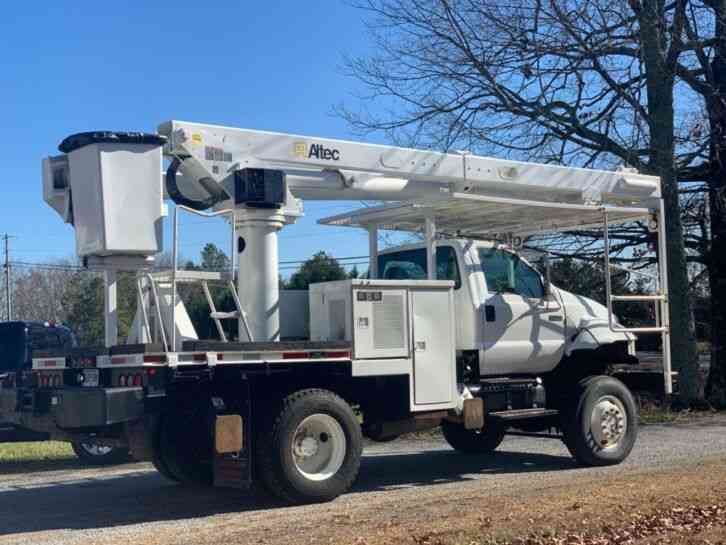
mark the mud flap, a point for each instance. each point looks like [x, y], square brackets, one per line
[474, 413]
[233, 449]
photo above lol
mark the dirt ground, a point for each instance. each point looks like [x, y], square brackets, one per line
[671, 490]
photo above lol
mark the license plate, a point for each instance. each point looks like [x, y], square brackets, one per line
[90, 378]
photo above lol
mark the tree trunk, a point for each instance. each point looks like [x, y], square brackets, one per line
[660, 82]
[716, 106]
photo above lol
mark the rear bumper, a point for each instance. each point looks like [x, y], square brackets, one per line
[71, 408]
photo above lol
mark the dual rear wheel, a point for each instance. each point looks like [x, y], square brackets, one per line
[308, 451]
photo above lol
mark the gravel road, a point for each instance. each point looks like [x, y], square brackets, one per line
[133, 504]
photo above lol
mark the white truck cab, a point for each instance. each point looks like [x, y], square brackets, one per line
[506, 310]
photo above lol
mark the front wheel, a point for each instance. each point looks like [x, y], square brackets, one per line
[311, 450]
[99, 455]
[473, 441]
[601, 425]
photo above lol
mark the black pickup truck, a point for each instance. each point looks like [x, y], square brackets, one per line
[18, 341]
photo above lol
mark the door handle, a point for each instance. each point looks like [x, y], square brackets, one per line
[490, 313]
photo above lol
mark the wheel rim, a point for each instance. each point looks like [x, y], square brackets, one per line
[96, 450]
[609, 422]
[318, 447]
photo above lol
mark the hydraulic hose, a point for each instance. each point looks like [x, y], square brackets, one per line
[216, 193]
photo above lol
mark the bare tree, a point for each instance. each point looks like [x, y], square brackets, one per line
[38, 292]
[585, 82]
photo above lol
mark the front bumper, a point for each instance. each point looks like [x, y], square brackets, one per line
[71, 408]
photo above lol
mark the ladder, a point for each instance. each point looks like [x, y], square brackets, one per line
[150, 284]
[659, 298]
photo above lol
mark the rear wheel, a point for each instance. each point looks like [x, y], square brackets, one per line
[601, 424]
[100, 455]
[310, 452]
[184, 450]
[472, 441]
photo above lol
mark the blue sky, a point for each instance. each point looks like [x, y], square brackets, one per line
[75, 66]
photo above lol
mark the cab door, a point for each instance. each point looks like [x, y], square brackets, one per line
[523, 329]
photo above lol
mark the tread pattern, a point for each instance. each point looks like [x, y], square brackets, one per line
[269, 432]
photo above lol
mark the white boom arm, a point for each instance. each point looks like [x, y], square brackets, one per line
[323, 169]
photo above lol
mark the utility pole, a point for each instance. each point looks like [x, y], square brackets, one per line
[8, 294]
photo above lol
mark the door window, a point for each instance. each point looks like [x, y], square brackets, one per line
[411, 265]
[507, 273]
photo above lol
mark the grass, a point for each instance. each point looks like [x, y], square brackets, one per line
[655, 410]
[46, 451]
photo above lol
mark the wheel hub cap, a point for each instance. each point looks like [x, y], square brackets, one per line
[318, 447]
[609, 422]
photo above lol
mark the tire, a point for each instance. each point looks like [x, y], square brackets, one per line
[310, 451]
[600, 425]
[158, 461]
[472, 441]
[96, 455]
[184, 452]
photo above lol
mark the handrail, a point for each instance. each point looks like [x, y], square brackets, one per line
[175, 254]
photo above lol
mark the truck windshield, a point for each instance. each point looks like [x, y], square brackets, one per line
[12, 346]
[411, 265]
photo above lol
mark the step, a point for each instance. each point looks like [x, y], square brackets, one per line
[522, 414]
[225, 315]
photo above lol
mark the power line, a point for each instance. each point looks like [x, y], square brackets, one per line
[346, 260]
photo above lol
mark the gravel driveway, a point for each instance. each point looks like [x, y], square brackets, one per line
[133, 504]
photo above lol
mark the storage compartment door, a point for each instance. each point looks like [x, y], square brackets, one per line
[433, 348]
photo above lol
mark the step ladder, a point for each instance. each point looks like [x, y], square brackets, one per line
[150, 284]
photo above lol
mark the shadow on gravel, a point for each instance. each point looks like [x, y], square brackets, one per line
[406, 470]
[144, 496]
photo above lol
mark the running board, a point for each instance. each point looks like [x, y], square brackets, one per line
[521, 414]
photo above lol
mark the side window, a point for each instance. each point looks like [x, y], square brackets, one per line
[42, 338]
[507, 273]
[411, 265]
[447, 268]
[408, 265]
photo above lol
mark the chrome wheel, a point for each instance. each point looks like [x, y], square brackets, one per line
[318, 447]
[608, 422]
[96, 450]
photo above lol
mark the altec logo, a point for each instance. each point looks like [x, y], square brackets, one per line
[315, 151]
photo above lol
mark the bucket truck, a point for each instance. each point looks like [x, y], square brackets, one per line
[458, 330]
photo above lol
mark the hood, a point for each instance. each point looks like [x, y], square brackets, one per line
[588, 318]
